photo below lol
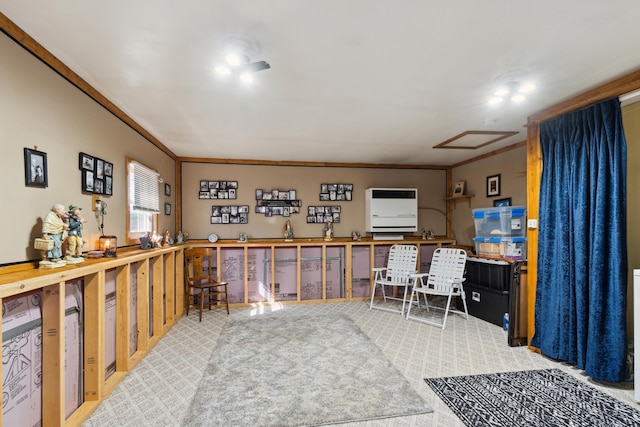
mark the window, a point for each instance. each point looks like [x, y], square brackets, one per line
[144, 199]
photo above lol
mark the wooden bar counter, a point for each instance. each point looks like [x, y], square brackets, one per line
[149, 299]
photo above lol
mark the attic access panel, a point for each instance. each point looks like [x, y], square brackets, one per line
[474, 139]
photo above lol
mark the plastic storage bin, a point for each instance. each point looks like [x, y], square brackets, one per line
[492, 273]
[512, 248]
[486, 304]
[504, 221]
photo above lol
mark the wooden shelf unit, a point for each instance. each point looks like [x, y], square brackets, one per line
[158, 274]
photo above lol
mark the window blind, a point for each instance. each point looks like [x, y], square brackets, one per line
[144, 193]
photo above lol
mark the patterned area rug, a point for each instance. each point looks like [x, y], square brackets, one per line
[546, 397]
[294, 371]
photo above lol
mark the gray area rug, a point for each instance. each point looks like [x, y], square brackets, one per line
[546, 397]
[299, 371]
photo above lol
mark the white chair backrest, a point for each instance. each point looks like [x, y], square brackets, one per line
[402, 262]
[446, 264]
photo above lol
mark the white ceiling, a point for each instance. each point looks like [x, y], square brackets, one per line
[372, 81]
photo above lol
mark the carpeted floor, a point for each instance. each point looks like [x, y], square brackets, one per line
[300, 370]
[546, 397]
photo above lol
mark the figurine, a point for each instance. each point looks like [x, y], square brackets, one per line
[288, 232]
[145, 241]
[179, 238]
[355, 236]
[328, 230]
[430, 235]
[424, 234]
[53, 227]
[185, 237]
[242, 238]
[166, 238]
[74, 238]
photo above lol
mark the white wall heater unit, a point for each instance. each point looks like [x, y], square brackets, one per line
[391, 210]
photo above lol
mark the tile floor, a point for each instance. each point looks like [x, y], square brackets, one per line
[157, 392]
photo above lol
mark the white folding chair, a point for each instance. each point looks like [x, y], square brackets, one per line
[445, 279]
[401, 264]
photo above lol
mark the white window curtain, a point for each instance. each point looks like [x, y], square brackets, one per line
[144, 193]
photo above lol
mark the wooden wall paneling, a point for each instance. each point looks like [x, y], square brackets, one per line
[534, 174]
[324, 272]
[94, 332]
[348, 272]
[157, 288]
[53, 384]
[299, 273]
[180, 287]
[143, 305]
[272, 264]
[169, 261]
[123, 317]
[246, 275]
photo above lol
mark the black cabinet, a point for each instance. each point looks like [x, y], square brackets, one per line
[492, 288]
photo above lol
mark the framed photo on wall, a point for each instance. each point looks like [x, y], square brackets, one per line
[167, 189]
[167, 208]
[493, 185]
[502, 202]
[35, 168]
[458, 189]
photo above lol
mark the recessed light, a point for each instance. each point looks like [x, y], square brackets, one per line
[495, 100]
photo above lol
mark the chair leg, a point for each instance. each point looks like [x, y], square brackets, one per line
[226, 296]
[201, 302]
[373, 295]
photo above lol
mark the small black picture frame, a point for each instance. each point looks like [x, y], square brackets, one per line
[167, 189]
[108, 185]
[502, 202]
[35, 168]
[88, 181]
[99, 168]
[167, 208]
[493, 185]
[108, 169]
[87, 162]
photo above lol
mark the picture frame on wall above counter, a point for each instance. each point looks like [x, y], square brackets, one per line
[97, 175]
[343, 192]
[167, 189]
[35, 168]
[502, 202]
[493, 185]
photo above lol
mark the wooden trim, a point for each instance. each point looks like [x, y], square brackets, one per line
[304, 164]
[53, 317]
[94, 301]
[123, 317]
[491, 154]
[614, 88]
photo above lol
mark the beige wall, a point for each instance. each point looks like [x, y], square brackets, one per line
[511, 165]
[40, 110]
[431, 185]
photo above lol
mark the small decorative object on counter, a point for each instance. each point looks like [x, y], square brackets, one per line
[328, 231]
[74, 236]
[179, 237]
[430, 235]
[185, 237]
[166, 238]
[108, 245]
[424, 234]
[288, 232]
[355, 236]
[53, 226]
[242, 238]
[145, 241]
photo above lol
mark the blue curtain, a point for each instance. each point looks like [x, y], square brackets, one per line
[580, 308]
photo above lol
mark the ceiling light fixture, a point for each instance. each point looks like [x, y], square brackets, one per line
[513, 91]
[238, 61]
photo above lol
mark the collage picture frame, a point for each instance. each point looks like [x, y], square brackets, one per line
[322, 214]
[232, 214]
[97, 175]
[218, 189]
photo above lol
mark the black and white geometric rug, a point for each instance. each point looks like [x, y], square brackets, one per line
[546, 397]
